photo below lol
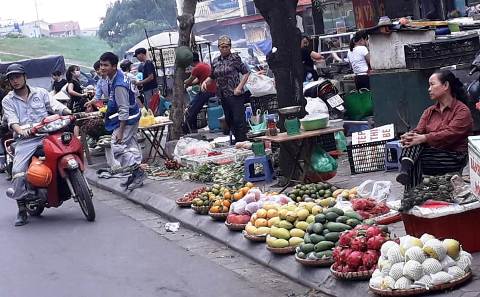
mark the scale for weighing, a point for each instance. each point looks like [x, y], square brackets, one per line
[292, 124]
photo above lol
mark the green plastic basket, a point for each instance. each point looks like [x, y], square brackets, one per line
[314, 124]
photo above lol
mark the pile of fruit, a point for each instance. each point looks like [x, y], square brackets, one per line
[323, 234]
[323, 194]
[369, 207]
[419, 262]
[219, 195]
[437, 188]
[188, 197]
[263, 219]
[358, 250]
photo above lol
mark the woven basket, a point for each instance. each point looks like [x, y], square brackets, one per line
[282, 251]
[202, 210]
[418, 291]
[357, 275]
[221, 216]
[315, 263]
[254, 238]
[235, 227]
[183, 203]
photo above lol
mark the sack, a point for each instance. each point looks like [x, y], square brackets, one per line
[359, 104]
[260, 85]
[322, 162]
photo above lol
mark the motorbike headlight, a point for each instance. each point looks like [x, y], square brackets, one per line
[55, 125]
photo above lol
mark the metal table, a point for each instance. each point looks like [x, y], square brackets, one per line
[154, 137]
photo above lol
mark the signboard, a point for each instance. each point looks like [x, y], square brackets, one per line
[386, 132]
[367, 12]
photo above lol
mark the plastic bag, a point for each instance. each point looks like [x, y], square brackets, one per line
[341, 141]
[316, 106]
[379, 190]
[260, 85]
[147, 119]
[190, 147]
[322, 162]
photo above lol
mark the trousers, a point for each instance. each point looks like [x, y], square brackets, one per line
[127, 152]
[234, 110]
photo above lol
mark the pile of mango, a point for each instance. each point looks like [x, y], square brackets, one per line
[323, 194]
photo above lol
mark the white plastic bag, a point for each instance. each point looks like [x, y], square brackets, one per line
[190, 147]
[316, 106]
[260, 85]
[379, 190]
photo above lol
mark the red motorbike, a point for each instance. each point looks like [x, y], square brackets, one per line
[56, 171]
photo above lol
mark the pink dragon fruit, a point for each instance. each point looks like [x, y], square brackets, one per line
[375, 243]
[370, 258]
[354, 260]
[359, 244]
[373, 231]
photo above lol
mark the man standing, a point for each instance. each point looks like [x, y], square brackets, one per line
[200, 72]
[122, 117]
[149, 82]
[23, 107]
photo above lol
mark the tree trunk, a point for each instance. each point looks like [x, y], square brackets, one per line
[186, 22]
[286, 64]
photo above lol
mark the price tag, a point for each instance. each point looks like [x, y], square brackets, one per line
[335, 101]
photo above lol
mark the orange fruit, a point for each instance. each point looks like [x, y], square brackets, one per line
[225, 209]
[237, 196]
[261, 223]
[226, 203]
[245, 190]
[227, 195]
[214, 209]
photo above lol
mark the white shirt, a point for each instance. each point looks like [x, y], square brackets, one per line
[357, 59]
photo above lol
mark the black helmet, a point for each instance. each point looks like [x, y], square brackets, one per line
[15, 69]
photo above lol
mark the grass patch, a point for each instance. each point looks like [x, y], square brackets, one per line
[81, 50]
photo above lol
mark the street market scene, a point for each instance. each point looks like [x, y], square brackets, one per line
[240, 148]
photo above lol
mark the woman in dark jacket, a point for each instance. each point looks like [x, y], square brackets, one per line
[74, 89]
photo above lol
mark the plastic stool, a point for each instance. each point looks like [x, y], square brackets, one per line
[393, 151]
[266, 175]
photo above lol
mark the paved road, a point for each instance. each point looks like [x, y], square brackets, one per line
[126, 252]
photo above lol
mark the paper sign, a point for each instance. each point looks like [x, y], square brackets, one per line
[386, 132]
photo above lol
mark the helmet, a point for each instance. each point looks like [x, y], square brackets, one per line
[38, 174]
[15, 69]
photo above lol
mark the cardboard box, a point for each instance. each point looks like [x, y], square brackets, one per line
[474, 164]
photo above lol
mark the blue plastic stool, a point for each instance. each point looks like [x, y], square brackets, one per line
[393, 151]
[267, 174]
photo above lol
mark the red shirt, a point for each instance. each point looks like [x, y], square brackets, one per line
[447, 130]
[202, 71]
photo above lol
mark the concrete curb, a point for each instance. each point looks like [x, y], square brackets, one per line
[317, 278]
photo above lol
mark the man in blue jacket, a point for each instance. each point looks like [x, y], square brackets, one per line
[122, 117]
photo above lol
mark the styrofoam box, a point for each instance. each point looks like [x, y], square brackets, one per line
[474, 164]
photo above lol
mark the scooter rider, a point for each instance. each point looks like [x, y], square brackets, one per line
[23, 107]
[122, 117]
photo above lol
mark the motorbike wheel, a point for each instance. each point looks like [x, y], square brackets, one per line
[83, 194]
[35, 210]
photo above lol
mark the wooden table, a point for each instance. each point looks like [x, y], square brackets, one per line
[154, 137]
[304, 138]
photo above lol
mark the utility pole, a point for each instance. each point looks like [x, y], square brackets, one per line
[36, 22]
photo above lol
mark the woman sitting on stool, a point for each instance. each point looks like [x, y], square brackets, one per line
[438, 145]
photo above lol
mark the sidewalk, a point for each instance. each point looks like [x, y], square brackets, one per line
[159, 196]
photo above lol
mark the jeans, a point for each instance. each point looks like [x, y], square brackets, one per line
[234, 110]
[193, 109]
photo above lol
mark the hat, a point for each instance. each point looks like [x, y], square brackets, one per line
[140, 50]
[224, 40]
[15, 69]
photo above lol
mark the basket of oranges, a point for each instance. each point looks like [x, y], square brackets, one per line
[219, 209]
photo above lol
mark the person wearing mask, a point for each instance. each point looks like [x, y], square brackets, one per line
[439, 144]
[58, 82]
[122, 118]
[149, 83]
[309, 58]
[359, 58]
[200, 72]
[226, 70]
[78, 99]
[24, 106]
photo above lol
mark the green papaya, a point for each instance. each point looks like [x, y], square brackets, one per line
[323, 246]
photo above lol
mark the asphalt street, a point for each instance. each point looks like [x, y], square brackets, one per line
[61, 254]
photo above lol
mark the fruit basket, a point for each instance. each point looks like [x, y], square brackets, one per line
[183, 203]
[282, 251]
[255, 238]
[219, 216]
[419, 291]
[327, 262]
[235, 227]
[356, 275]
[202, 210]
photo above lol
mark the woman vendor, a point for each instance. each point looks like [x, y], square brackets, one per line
[438, 145]
[359, 59]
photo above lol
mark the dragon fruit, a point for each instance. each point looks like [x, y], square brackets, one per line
[346, 238]
[344, 254]
[375, 242]
[370, 259]
[373, 231]
[336, 254]
[359, 244]
[355, 259]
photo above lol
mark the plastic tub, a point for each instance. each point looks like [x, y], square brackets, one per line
[314, 123]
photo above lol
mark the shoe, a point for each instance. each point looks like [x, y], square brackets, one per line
[22, 215]
[138, 177]
[403, 178]
[129, 180]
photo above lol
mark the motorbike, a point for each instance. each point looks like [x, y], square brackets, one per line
[62, 159]
[325, 90]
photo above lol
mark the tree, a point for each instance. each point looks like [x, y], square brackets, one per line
[124, 23]
[285, 62]
[186, 22]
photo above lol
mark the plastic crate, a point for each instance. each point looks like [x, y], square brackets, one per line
[268, 103]
[202, 121]
[327, 142]
[367, 157]
[439, 61]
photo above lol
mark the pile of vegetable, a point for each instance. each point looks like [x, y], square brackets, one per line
[437, 188]
[229, 174]
[359, 249]
[419, 262]
[322, 235]
[369, 207]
